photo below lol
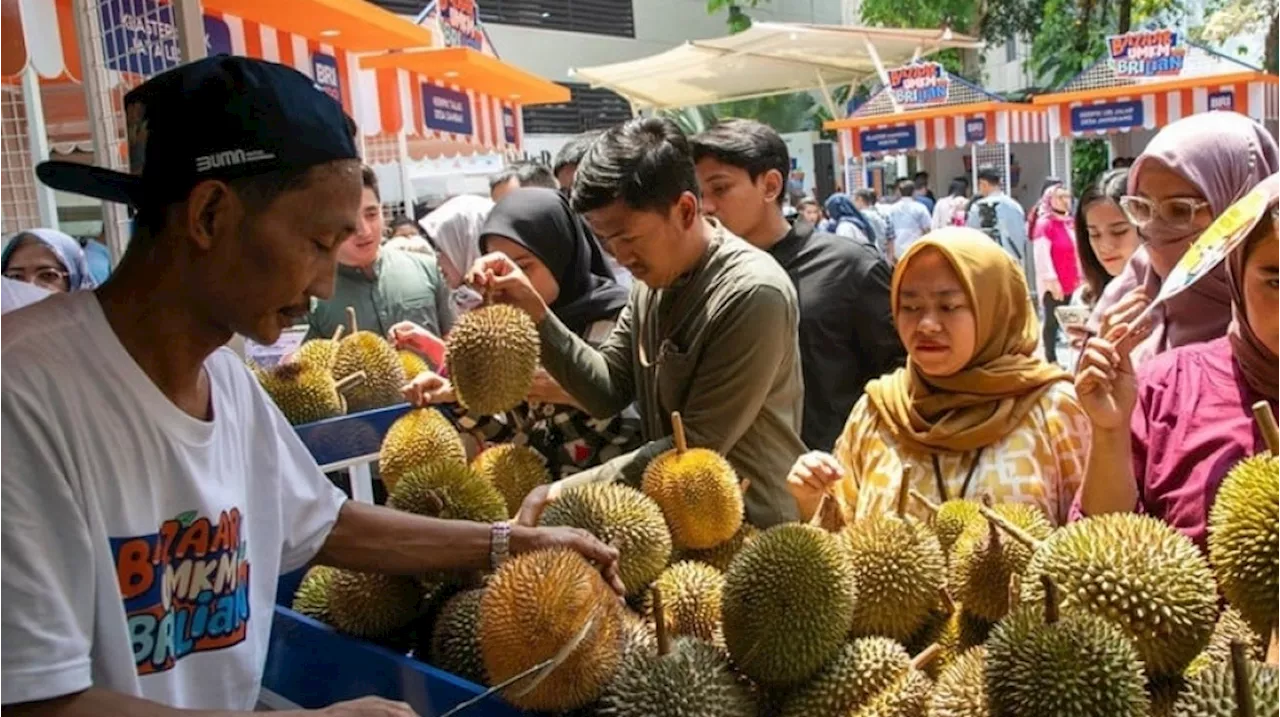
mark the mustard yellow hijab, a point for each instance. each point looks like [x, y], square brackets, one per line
[987, 399]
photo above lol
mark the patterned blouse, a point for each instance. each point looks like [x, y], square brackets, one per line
[1042, 462]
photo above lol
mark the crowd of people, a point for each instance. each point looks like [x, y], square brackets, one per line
[860, 346]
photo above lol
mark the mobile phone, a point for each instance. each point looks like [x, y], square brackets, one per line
[1072, 315]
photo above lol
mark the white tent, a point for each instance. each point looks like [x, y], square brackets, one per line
[767, 59]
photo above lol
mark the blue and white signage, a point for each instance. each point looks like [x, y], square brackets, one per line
[1112, 115]
[888, 139]
[217, 36]
[325, 70]
[509, 124]
[975, 130]
[139, 36]
[446, 110]
[1224, 100]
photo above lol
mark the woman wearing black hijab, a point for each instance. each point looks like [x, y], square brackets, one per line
[539, 232]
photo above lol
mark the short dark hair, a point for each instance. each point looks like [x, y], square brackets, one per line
[921, 175]
[746, 144]
[866, 195]
[370, 180]
[570, 155]
[959, 186]
[644, 163]
[906, 188]
[401, 220]
[989, 174]
[528, 174]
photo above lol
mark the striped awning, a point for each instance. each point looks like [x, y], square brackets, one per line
[40, 34]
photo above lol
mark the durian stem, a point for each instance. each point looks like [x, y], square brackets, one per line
[903, 491]
[1267, 424]
[351, 381]
[919, 498]
[926, 656]
[660, 622]
[351, 319]
[1010, 529]
[677, 430]
[1273, 650]
[948, 603]
[1015, 591]
[744, 485]
[1240, 677]
[338, 332]
[816, 520]
[1050, 600]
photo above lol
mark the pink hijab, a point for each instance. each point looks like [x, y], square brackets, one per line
[1256, 361]
[1224, 154]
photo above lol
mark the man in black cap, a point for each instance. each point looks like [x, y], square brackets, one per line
[152, 492]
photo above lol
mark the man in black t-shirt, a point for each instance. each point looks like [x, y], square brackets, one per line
[846, 326]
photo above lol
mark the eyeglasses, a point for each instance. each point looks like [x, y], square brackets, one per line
[48, 277]
[1178, 212]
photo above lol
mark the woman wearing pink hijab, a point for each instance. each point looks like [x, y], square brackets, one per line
[1188, 175]
[1165, 436]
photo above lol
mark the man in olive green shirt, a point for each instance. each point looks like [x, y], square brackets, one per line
[384, 286]
[710, 330]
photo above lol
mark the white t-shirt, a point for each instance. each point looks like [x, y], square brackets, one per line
[141, 545]
[16, 294]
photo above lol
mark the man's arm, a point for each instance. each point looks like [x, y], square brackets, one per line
[96, 702]
[601, 378]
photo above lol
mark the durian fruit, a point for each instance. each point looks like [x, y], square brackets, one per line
[684, 677]
[867, 676]
[900, 569]
[692, 593]
[1231, 628]
[961, 689]
[953, 630]
[637, 634]
[455, 639]
[788, 604]
[1138, 573]
[983, 559]
[448, 490]
[538, 605]
[372, 605]
[369, 352]
[1042, 662]
[492, 356]
[412, 364]
[514, 470]
[721, 555]
[1244, 539]
[698, 492]
[306, 392]
[1213, 692]
[622, 517]
[320, 352]
[420, 437]
[950, 519]
[312, 597]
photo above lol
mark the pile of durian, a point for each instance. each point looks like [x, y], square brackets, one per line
[978, 610]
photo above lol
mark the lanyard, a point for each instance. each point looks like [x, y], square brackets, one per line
[942, 486]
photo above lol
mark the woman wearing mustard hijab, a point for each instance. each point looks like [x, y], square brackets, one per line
[973, 413]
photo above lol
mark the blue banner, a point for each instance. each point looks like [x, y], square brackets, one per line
[325, 69]
[139, 36]
[1112, 115]
[1224, 100]
[975, 130]
[889, 139]
[509, 124]
[217, 36]
[446, 110]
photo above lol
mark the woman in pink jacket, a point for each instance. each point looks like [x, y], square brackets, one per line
[1057, 267]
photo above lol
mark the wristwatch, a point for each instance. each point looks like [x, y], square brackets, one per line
[499, 544]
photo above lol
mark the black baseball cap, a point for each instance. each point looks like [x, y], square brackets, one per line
[221, 117]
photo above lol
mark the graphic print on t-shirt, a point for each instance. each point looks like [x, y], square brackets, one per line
[185, 588]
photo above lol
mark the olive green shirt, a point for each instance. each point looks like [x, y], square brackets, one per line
[404, 287]
[721, 348]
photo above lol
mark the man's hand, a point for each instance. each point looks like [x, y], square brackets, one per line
[367, 707]
[546, 389]
[525, 539]
[501, 281]
[532, 506]
[408, 335]
[428, 388]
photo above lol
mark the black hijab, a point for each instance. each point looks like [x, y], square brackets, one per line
[541, 221]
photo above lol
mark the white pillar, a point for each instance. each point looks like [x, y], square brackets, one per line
[189, 19]
[407, 194]
[102, 119]
[38, 144]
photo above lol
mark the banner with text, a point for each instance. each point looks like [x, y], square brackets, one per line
[140, 37]
[888, 139]
[459, 22]
[975, 130]
[509, 124]
[922, 83]
[446, 110]
[325, 69]
[1108, 116]
[1147, 53]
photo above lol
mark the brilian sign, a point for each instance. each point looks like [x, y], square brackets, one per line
[922, 83]
[1147, 53]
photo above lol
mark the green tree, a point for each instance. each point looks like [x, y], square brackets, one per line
[1244, 17]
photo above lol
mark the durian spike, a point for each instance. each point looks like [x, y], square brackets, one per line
[1240, 678]
[660, 622]
[1050, 600]
[948, 603]
[351, 381]
[816, 520]
[1015, 591]
[1267, 424]
[919, 498]
[338, 332]
[677, 430]
[351, 319]
[926, 656]
[1273, 650]
[744, 485]
[1010, 529]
